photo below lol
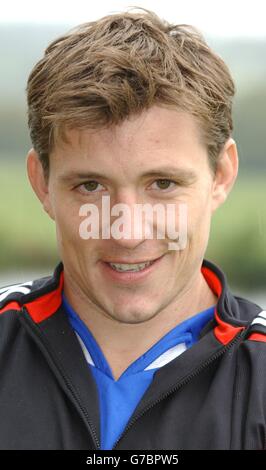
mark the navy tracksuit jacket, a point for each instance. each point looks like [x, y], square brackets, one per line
[212, 396]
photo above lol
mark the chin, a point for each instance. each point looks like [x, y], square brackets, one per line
[133, 317]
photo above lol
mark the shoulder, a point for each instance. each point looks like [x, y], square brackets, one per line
[11, 294]
[11, 300]
[251, 355]
[256, 330]
[14, 296]
[40, 297]
[254, 318]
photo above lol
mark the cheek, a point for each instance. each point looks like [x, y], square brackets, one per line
[67, 221]
[199, 215]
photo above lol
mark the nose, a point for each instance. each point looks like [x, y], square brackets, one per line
[127, 225]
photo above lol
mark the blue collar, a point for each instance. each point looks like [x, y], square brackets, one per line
[186, 332]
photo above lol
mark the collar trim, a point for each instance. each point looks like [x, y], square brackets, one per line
[45, 306]
[224, 332]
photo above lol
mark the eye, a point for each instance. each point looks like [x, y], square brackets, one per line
[164, 184]
[91, 187]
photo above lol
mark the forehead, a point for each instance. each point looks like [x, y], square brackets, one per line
[156, 135]
[156, 124]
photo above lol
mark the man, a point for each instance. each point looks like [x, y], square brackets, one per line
[134, 342]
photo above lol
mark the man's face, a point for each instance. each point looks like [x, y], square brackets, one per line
[125, 155]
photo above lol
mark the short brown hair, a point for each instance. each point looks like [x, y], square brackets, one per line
[103, 71]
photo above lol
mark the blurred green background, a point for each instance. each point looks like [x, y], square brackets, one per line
[238, 234]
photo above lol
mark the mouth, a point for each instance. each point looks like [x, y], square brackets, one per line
[129, 272]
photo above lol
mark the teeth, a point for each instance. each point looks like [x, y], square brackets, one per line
[130, 267]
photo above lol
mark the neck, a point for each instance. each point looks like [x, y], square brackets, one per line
[123, 343]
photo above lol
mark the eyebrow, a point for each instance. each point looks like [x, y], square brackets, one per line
[184, 176]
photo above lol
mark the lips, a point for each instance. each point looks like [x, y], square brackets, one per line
[129, 276]
[130, 261]
[126, 267]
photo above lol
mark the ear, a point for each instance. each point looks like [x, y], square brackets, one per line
[38, 181]
[226, 173]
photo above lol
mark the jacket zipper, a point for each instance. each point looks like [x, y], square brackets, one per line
[59, 372]
[181, 384]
